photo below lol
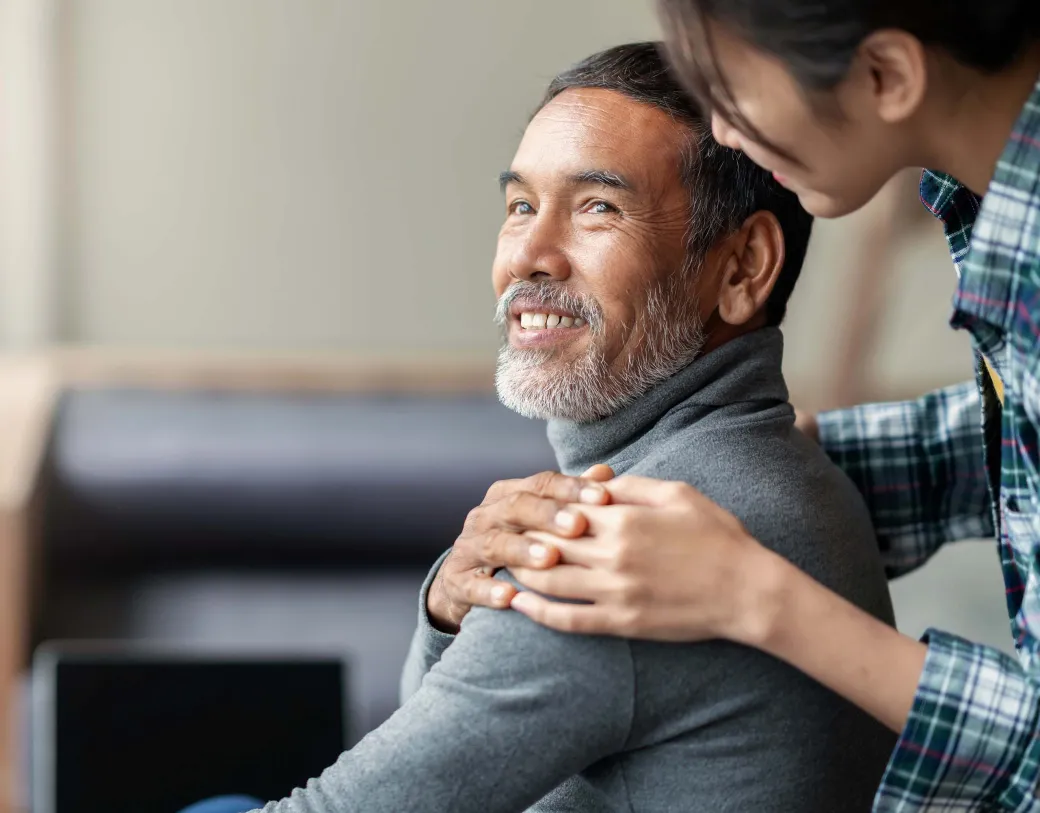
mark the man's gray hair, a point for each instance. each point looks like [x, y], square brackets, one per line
[725, 186]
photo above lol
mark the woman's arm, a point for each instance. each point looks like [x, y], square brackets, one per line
[671, 565]
[920, 468]
[645, 579]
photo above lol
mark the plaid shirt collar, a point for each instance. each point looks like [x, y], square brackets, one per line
[994, 241]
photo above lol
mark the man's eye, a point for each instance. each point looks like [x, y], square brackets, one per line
[520, 207]
[601, 207]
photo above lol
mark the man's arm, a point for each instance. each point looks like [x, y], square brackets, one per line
[920, 467]
[428, 642]
[492, 537]
[510, 711]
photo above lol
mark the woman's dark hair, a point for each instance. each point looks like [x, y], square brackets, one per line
[725, 186]
[818, 39]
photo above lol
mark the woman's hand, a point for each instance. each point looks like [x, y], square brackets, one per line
[663, 562]
[492, 537]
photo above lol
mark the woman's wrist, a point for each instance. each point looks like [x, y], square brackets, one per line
[761, 597]
[789, 615]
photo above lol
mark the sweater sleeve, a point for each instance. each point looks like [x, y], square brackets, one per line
[428, 643]
[510, 711]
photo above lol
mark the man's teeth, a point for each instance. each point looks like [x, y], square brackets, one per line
[540, 321]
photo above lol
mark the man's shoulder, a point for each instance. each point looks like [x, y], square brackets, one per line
[732, 454]
[787, 493]
[504, 650]
[753, 467]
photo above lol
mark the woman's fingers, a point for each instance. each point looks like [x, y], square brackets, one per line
[601, 472]
[565, 581]
[580, 618]
[586, 551]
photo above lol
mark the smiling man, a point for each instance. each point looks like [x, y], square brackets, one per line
[594, 268]
[642, 271]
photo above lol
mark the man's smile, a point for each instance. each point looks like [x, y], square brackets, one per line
[535, 324]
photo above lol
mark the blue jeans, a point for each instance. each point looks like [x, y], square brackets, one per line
[226, 804]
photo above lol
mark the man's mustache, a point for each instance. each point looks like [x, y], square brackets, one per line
[551, 295]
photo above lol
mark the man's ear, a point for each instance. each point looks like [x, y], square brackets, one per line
[751, 269]
[896, 67]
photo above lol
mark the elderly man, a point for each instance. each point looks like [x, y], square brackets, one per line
[642, 271]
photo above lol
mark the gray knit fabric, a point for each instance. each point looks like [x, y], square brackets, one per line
[508, 715]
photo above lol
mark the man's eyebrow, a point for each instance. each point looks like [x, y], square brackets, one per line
[603, 177]
[509, 177]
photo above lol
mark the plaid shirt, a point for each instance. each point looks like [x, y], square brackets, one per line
[972, 741]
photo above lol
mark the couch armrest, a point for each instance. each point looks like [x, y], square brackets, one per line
[28, 392]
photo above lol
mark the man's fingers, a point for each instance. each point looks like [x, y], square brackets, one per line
[523, 511]
[500, 488]
[562, 581]
[567, 489]
[582, 618]
[483, 591]
[508, 549]
[554, 486]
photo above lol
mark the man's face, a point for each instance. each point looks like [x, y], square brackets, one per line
[596, 298]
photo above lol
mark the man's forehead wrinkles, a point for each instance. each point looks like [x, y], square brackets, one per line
[567, 127]
[606, 133]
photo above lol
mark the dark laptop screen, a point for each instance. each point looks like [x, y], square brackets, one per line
[140, 734]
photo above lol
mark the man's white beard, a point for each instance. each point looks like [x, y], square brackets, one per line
[537, 385]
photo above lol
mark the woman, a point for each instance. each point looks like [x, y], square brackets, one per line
[835, 97]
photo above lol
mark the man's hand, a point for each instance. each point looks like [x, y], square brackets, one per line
[661, 562]
[493, 537]
[806, 423]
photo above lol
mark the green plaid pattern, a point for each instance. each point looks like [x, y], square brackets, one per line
[972, 741]
[919, 465]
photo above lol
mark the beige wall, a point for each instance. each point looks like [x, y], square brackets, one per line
[302, 173]
[28, 171]
[321, 174]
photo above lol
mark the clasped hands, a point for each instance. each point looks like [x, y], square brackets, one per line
[645, 558]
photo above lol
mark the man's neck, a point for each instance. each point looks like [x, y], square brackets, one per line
[747, 369]
[718, 332]
[966, 133]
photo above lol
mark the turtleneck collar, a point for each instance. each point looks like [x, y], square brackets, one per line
[743, 371]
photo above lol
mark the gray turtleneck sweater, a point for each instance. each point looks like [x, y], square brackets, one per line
[508, 714]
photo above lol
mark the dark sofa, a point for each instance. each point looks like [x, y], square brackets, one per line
[234, 517]
[265, 520]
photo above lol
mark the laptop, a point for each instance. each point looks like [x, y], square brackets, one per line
[123, 728]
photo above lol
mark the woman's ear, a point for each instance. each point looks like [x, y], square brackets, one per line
[755, 259]
[897, 66]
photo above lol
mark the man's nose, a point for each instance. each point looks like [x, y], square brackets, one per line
[541, 255]
[725, 133]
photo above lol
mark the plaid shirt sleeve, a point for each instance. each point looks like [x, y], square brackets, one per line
[971, 741]
[920, 467]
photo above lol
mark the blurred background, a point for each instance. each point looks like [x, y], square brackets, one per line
[245, 309]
